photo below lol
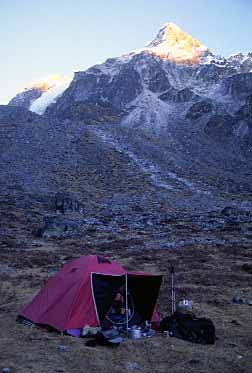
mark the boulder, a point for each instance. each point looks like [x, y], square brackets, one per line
[242, 300]
[236, 214]
[64, 203]
[58, 227]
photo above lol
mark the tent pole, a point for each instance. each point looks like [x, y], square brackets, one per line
[173, 290]
[126, 303]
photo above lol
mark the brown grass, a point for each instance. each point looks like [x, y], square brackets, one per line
[208, 276]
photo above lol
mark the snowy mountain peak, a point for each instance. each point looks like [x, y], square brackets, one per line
[164, 34]
[176, 45]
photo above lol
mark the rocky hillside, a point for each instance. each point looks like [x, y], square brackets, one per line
[164, 128]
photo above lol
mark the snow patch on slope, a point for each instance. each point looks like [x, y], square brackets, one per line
[49, 97]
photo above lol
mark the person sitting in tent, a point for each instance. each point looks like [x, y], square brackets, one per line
[118, 310]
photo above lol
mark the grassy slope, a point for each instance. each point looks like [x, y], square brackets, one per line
[208, 276]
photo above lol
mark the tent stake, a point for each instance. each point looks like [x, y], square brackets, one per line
[126, 303]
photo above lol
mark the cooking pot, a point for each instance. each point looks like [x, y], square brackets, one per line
[135, 333]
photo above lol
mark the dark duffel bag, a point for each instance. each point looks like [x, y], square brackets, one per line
[189, 328]
[106, 338]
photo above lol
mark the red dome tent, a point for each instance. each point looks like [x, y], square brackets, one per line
[82, 292]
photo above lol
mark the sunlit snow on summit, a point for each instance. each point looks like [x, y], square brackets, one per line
[176, 45]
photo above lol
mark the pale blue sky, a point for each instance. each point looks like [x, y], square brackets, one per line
[45, 37]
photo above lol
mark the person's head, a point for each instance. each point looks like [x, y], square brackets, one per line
[121, 289]
[118, 296]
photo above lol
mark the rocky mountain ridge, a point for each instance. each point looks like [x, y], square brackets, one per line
[150, 87]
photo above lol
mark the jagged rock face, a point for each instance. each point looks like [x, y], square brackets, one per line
[83, 86]
[85, 101]
[97, 97]
[122, 89]
[199, 109]
[185, 95]
[169, 95]
[26, 98]
[245, 113]
[213, 73]
[220, 127]
[91, 112]
[179, 96]
[241, 62]
[238, 86]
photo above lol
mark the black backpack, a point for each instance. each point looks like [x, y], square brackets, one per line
[189, 328]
